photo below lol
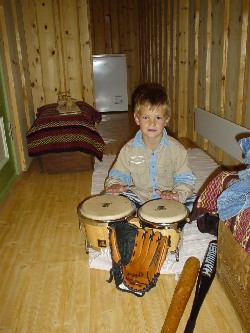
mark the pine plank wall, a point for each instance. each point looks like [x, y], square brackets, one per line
[199, 50]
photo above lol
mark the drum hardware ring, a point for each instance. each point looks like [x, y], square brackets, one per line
[182, 224]
[169, 241]
[177, 257]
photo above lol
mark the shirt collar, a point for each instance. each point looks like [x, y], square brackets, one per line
[138, 141]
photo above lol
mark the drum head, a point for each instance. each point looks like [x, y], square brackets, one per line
[107, 207]
[163, 211]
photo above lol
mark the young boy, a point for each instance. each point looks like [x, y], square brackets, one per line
[153, 164]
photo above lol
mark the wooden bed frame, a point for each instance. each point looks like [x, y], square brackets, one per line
[66, 162]
[233, 264]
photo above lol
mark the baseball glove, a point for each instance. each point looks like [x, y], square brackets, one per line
[137, 257]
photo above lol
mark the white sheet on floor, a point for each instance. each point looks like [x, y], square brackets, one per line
[194, 243]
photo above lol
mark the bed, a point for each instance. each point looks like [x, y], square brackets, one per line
[233, 259]
[66, 142]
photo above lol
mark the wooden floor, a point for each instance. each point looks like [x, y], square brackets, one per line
[45, 282]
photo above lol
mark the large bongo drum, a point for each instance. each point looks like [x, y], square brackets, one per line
[166, 216]
[97, 213]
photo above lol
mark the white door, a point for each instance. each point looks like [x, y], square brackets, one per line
[8, 170]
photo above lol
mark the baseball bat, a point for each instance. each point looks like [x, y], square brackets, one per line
[205, 278]
[181, 295]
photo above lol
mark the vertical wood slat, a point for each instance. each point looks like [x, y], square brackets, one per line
[126, 35]
[148, 48]
[47, 49]
[225, 27]
[246, 104]
[173, 62]
[225, 53]
[153, 28]
[71, 48]
[134, 65]
[115, 33]
[168, 49]
[234, 43]
[150, 42]
[202, 41]
[107, 25]
[86, 52]
[155, 25]
[160, 19]
[196, 81]
[121, 25]
[59, 47]
[196, 46]
[216, 52]
[217, 33]
[158, 46]
[163, 43]
[183, 67]
[191, 68]
[153, 42]
[142, 38]
[242, 70]
[208, 56]
[233, 65]
[34, 56]
[142, 33]
[23, 64]
[125, 18]
[202, 44]
[98, 27]
[208, 63]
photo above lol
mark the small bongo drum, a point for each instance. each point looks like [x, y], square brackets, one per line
[168, 217]
[97, 213]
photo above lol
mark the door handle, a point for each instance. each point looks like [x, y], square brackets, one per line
[10, 130]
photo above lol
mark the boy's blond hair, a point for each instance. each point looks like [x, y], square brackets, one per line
[153, 95]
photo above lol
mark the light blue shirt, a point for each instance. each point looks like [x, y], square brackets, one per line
[236, 197]
[165, 168]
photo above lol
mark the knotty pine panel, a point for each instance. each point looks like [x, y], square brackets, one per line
[115, 30]
[59, 49]
[205, 63]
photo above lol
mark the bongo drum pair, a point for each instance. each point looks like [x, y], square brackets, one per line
[98, 212]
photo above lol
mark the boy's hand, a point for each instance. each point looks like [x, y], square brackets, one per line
[117, 188]
[168, 195]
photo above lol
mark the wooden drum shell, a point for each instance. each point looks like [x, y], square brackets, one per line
[97, 213]
[164, 216]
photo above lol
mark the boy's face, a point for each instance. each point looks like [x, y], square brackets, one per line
[151, 121]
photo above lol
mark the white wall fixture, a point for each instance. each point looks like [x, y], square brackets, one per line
[110, 82]
[221, 132]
